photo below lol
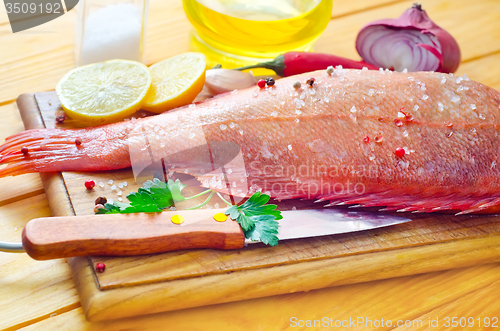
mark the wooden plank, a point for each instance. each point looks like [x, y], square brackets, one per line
[460, 314]
[24, 281]
[429, 292]
[484, 70]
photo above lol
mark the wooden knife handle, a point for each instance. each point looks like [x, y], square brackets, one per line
[129, 234]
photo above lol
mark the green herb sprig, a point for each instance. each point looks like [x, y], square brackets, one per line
[257, 219]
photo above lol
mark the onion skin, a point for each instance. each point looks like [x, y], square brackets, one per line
[417, 19]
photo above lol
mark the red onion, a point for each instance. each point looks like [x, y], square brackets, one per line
[411, 41]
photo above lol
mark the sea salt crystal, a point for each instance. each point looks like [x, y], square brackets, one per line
[112, 32]
[110, 182]
[416, 107]
[405, 133]
[401, 115]
[425, 97]
[371, 92]
[411, 78]
[443, 80]
[473, 106]
[481, 116]
[274, 113]
[101, 184]
[223, 127]
[405, 70]
[113, 188]
[459, 80]
[326, 99]
[353, 109]
[455, 98]
[119, 193]
[465, 78]
[440, 106]
[290, 147]
[120, 185]
[232, 125]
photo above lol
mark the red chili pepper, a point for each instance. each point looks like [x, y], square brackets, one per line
[294, 63]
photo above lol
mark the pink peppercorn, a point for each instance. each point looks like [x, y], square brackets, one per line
[100, 267]
[400, 152]
[89, 184]
[261, 83]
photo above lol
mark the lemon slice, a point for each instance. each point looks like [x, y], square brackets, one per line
[104, 92]
[176, 82]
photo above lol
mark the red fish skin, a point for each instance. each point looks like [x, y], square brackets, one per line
[310, 142]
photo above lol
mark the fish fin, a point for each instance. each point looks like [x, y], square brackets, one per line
[396, 201]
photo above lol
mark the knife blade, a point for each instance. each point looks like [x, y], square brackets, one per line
[149, 233]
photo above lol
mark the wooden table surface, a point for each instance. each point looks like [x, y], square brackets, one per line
[41, 295]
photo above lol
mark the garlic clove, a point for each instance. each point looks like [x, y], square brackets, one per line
[219, 81]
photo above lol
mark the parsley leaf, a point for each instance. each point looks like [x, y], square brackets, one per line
[154, 196]
[257, 220]
[159, 192]
[141, 201]
[176, 188]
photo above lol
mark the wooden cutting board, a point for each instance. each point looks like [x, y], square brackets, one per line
[147, 284]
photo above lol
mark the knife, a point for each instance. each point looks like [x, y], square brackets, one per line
[148, 233]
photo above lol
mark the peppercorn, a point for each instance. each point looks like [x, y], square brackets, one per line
[329, 70]
[97, 207]
[89, 184]
[297, 85]
[78, 141]
[310, 81]
[101, 201]
[60, 118]
[261, 83]
[400, 152]
[270, 81]
[24, 150]
[100, 267]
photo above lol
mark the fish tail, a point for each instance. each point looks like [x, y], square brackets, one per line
[45, 150]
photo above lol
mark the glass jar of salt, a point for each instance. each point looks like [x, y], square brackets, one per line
[110, 29]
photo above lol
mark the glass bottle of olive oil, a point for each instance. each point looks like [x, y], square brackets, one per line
[241, 32]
